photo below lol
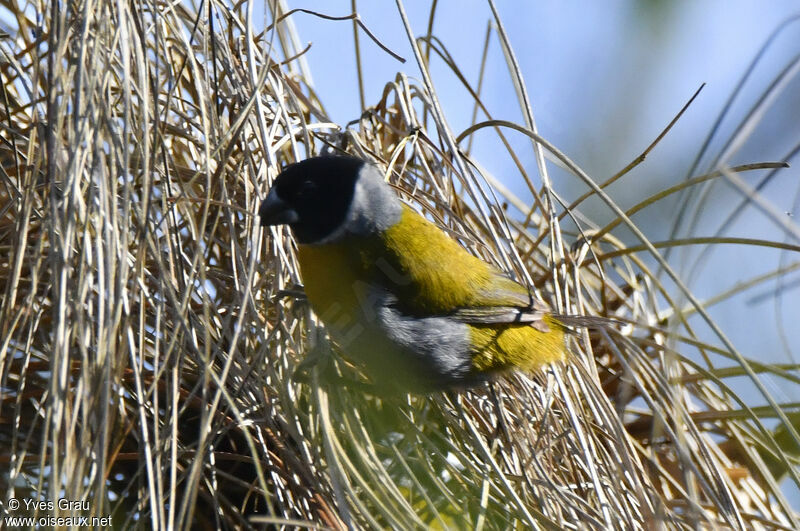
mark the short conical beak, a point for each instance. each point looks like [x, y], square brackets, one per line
[275, 211]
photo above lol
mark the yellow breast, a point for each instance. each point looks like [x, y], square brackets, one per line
[332, 274]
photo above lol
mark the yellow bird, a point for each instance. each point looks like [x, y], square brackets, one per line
[396, 294]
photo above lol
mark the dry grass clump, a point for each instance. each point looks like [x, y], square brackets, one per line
[152, 342]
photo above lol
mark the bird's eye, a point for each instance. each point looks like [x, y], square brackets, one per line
[294, 191]
[307, 186]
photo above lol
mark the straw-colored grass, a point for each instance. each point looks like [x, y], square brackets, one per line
[157, 362]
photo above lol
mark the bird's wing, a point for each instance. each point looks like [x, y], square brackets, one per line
[504, 301]
[431, 274]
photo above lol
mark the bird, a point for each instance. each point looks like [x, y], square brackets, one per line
[397, 295]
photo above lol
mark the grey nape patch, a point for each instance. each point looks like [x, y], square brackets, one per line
[375, 206]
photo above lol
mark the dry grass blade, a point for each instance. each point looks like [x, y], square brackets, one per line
[158, 363]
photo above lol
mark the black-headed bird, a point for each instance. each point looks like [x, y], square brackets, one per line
[397, 294]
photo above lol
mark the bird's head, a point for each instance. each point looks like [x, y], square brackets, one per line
[324, 199]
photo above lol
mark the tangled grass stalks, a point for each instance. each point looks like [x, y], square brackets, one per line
[157, 363]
